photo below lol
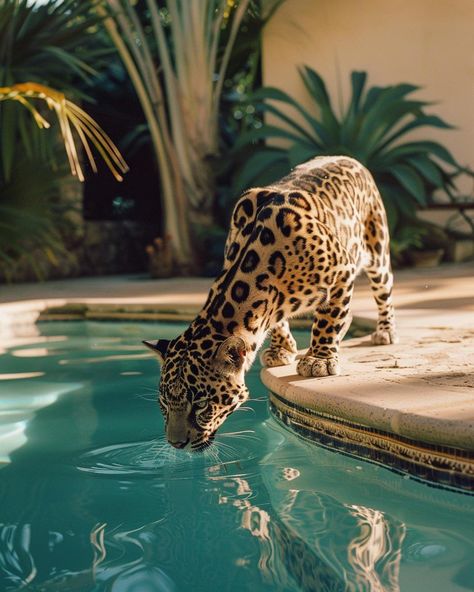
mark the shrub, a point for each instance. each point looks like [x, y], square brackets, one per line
[373, 129]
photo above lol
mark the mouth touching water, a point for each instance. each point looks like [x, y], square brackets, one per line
[198, 392]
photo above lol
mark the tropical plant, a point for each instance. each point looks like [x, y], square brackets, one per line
[177, 54]
[51, 44]
[29, 217]
[373, 129]
[43, 46]
[70, 117]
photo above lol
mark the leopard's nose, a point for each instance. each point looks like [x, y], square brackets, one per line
[179, 443]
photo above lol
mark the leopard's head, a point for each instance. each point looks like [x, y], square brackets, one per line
[201, 384]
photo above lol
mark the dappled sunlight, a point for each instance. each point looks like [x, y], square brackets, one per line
[21, 375]
[22, 395]
[12, 436]
[31, 353]
[103, 359]
[18, 409]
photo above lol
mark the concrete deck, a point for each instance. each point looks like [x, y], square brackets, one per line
[422, 388]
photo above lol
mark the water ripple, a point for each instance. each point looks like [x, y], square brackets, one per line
[152, 458]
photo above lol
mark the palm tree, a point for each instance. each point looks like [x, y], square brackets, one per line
[44, 49]
[177, 56]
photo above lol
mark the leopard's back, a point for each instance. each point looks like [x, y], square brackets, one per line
[335, 194]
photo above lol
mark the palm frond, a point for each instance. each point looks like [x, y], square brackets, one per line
[70, 117]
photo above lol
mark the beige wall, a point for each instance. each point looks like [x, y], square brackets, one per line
[425, 42]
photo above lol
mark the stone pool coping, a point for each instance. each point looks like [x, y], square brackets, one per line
[421, 389]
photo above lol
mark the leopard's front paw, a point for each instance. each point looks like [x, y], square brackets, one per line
[384, 337]
[276, 356]
[312, 366]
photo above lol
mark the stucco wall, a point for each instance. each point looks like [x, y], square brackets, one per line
[425, 42]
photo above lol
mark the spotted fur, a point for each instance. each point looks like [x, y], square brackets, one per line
[293, 247]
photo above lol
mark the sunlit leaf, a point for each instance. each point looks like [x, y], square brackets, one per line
[68, 114]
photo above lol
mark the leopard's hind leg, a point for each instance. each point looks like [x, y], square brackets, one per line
[377, 242]
[282, 350]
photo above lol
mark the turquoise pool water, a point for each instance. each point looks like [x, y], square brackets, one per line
[92, 499]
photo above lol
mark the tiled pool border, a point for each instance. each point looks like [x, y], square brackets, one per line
[442, 465]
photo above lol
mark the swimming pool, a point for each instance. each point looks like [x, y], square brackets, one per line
[92, 499]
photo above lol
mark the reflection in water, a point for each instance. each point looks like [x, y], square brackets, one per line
[91, 501]
[19, 406]
[375, 554]
[20, 375]
[36, 352]
[17, 565]
[110, 571]
[307, 541]
[373, 545]
[105, 359]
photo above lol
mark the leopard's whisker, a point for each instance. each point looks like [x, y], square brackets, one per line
[246, 409]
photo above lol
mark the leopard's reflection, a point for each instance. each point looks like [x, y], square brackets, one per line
[346, 549]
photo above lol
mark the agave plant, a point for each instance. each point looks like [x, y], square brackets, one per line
[373, 129]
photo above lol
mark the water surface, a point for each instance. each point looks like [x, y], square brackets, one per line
[92, 499]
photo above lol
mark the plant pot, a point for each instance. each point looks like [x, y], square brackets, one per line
[426, 258]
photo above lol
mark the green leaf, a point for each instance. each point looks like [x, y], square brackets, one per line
[381, 120]
[379, 96]
[358, 80]
[262, 168]
[396, 197]
[8, 129]
[371, 97]
[318, 92]
[420, 121]
[73, 63]
[427, 147]
[411, 181]
[286, 119]
[390, 204]
[299, 153]
[274, 94]
[351, 121]
[264, 133]
[427, 168]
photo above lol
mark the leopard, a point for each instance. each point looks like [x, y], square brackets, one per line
[294, 247]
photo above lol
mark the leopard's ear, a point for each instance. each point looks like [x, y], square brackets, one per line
[230, 355]
[158, 347]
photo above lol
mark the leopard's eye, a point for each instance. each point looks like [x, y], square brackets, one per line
[200, 404]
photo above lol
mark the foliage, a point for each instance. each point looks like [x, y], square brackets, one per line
[42, 46]
[70, 117]
[29, 213]
[193, 44]
[408, 237]
[50, 44]
[372, 129]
